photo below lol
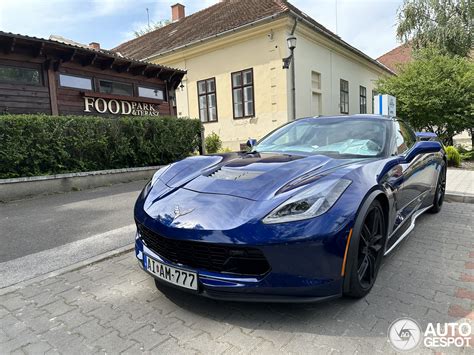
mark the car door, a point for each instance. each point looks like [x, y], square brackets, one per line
[418, 173]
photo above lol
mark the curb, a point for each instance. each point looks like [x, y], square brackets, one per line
[455, 197]
[73, 267]
[24, 187]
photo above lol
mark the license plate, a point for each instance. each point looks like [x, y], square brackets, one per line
[178, 277]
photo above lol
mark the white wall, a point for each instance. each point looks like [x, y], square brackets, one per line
[333, 66]
[263, 55]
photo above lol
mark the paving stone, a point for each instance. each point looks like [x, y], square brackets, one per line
[20, 340]
[38, 347]
[105, 314]
[240, 339]
[148, 337]
[13, 302]
[204, 344]
[57, 308]
[72, 319]
[112, 343]
[91, 330]
[64, 341]
[12, 326]
[96, 310]
[86, 303]
[170, 346]
[181, 332]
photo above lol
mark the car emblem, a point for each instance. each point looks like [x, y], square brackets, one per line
[178, 213]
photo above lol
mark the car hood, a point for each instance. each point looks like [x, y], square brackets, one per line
[250, 176]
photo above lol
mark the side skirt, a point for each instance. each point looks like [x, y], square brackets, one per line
[408, 230]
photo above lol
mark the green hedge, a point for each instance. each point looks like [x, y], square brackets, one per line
[42, 145]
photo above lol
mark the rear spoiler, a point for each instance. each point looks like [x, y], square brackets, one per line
[426, 136]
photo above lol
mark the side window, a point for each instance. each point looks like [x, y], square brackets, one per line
[242, 94]
[207, 100]
[405, 137]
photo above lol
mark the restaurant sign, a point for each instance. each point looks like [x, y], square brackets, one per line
[119, 107]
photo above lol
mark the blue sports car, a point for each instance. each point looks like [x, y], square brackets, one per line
[305, 215]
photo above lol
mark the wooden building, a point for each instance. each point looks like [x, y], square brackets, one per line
[52, 77]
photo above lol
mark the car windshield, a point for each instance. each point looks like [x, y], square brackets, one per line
[333, 137]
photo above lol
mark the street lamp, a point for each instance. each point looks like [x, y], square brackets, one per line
[291, 41]
[290, 60]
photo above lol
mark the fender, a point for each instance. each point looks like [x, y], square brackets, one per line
[364, 207]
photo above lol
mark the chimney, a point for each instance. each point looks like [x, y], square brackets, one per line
[177, 12]
[94, 45]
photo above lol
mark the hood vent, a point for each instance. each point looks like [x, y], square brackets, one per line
[234, 174]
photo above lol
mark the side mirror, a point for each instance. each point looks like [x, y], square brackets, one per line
[423, 147]
[426, 136]
[251, 143]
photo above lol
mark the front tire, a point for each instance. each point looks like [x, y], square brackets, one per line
[440, 191]
[366, 252]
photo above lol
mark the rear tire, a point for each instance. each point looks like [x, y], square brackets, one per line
[366, 251]
[440, 191]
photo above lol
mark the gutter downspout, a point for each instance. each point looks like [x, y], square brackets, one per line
[293, 78]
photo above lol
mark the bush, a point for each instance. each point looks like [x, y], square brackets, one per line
[41, 145]
[453, 156]
[213, 143]
[461, 149]
[468, 156]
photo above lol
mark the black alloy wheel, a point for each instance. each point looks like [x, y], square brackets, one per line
[367, 252]
[370, 247]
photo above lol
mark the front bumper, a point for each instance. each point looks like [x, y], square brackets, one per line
[305, 271]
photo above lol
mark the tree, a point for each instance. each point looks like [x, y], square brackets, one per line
[444, 24]
[434, 92]
[153, 26]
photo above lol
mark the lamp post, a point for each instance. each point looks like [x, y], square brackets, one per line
[287, 62]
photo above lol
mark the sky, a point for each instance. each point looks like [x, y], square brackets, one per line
[368, 25]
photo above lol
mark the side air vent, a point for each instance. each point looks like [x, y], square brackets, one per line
[234, 174]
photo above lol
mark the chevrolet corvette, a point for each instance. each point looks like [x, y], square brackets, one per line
[305, 214]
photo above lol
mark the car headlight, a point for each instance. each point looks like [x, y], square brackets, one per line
[309, 203]
[153, 180]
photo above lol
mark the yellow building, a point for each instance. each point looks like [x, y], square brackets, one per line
[233, 52]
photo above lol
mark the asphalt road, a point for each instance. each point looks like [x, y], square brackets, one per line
[39, 224]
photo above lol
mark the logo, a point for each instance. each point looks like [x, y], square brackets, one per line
[404, 334]
[178, 213]
[119, 107]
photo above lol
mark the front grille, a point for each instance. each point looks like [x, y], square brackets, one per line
[207, 256]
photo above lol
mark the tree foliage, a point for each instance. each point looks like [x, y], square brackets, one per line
[434, 92]
[444, 24]
[153, 26]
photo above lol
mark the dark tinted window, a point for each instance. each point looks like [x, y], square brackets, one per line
[344, 97]
[405, 137]
[20, 75]
[363, 99]
[114, 87]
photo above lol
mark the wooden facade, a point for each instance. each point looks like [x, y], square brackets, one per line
[52, 61]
